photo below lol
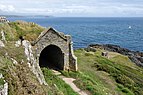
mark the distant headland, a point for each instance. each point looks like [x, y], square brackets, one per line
[26, 16]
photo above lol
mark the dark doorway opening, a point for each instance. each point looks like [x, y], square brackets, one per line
[52, 58]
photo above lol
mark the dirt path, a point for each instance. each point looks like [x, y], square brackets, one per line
[69, 81]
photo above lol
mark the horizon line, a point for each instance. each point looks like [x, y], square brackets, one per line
[78, 16]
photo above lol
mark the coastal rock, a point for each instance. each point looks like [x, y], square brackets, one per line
[88, 49]
[1, 44]
[4, 90]
[3, 36]
[1, 76]
[135, 60]
[18, 43]
[135, 56]
[104, 53]
[4, 87]
[14, 61]
[113, 48]
[32, 62]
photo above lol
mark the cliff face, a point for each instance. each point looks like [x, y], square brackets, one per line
[21, 76]
[135, 56]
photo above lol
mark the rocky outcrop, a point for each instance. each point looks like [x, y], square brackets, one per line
[88, 49]
[2, 39]
[32, 62]
[135, 56]
[14, 61]
[1, 44]
[73, 59]
[3, 87]
[18, 43]
[3, 36]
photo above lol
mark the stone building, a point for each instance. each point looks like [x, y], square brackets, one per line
[54, 50]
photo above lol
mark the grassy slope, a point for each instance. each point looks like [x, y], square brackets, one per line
[22, 81]
[19, 77]
[57, 84]
[14, 30]
[99, 75]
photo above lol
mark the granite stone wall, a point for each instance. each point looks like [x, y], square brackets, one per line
[52, 37]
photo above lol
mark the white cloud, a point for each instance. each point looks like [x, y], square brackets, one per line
[7, 8]
[97, 10]
[74, 7]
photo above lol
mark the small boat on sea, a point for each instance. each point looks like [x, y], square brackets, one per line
[130, 27]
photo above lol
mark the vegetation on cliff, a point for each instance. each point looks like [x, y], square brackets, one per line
[115, 75]
[21, 80]
[14, 30]
[14, 67]
[97, 75]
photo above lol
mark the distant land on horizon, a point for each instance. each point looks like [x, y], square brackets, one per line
[27, 15]
[61, 16]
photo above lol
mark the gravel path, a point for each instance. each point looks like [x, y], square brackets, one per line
[70, 82]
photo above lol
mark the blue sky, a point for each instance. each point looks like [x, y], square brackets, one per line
[73, 8]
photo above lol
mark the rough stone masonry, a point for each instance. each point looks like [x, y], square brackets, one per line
[54, 50]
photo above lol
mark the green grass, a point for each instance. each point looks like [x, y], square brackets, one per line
[86, 62]
[124, 89]
[20, 78]
[1, 81]
[117, 73]
[58, 85]
[10, 50]
[97, 75]
[13, 30]
[86, 83]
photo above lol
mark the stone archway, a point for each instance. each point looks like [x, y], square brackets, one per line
[52, 57]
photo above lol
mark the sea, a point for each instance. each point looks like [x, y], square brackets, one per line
[126, 32]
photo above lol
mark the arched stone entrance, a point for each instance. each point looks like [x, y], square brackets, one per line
[54, 50]
[52, 57]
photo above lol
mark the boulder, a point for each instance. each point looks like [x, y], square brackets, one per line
[90, 49]
[4, 87]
